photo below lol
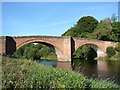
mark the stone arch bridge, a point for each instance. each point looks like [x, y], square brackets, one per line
[63, 46]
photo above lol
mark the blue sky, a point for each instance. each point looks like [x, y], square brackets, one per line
[50, 18]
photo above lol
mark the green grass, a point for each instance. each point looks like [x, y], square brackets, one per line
[19, 73]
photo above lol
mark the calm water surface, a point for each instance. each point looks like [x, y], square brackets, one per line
[93, 69]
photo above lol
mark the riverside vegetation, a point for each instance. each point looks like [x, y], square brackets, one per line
[24, 73]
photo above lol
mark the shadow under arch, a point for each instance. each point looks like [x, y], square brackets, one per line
[95, 47]
[57, 51]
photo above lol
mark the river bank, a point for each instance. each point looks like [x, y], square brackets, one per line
[19, 73]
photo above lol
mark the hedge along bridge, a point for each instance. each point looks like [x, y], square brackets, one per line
[63, 46]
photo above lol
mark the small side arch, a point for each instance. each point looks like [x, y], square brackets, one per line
[100, 52]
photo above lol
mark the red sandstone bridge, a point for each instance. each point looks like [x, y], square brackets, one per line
[63, 46]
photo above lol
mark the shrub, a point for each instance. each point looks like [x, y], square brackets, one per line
[18, 73]
[102, 84]
[110, 51]
[117, 48]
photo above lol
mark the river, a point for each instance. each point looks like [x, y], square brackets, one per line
[98, 69]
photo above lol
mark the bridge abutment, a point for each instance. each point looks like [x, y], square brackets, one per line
[3, 45]
[7, 45]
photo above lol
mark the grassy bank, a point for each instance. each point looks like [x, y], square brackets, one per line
[18, 73]
[113, 53]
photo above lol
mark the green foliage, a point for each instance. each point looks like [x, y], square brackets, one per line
[102, 31]
[85, 52]
[115, 57]
[45, 51]
[29, 74]
[51, 56]
[83, 26]
[81, 52]
[102, 84]
[113, 53]
[25, 53]
[35, 51]
[115, 34]
[32, 54]
[18, 53]
[73, 31]
[117, 48]
[19, 73]
[87, 24]
[88, 27]
[110, 51]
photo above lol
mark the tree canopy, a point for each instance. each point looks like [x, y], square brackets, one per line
[84, 25]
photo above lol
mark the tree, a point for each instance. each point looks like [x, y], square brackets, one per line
[85, 52]
[32, 54]
[26, 50]
[83, 26]
[87, 24]
[18, 53]
[103, 30]
[73, 31]
[115, 32]
[45, 51]
[81, 52]
[38, 46]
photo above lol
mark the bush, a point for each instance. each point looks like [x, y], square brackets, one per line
[100, 84]
[110, 51]
[117, 48]
[19, 73]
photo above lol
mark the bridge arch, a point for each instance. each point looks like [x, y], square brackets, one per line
[55, 48]
[98, 49]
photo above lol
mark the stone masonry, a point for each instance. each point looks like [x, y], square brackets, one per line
[63, 46]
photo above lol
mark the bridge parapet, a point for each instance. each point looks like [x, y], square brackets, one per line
[37, 36]
[88, 39]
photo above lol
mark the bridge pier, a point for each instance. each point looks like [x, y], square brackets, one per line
[67, 48]
[66, 52]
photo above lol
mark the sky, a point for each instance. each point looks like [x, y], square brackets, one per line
[50, 18]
